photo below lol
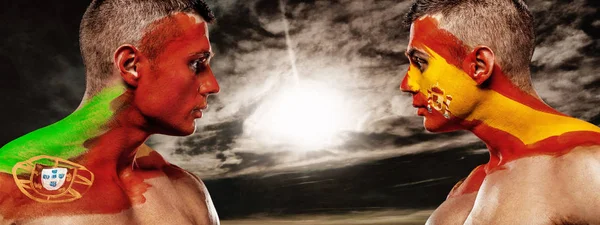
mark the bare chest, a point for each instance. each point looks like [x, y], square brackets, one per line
[180, 201]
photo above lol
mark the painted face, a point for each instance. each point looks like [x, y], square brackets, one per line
[442, 91]
[175, 83]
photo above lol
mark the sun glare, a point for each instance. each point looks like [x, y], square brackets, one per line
[308, 115]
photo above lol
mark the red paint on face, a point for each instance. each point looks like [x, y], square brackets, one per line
[404, 85]
[171, 92]
[426, 34]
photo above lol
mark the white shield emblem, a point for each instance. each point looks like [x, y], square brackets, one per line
[53, 178]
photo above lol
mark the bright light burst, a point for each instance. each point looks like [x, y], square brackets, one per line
[307, 115]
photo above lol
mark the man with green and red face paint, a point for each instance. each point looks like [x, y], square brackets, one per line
[469, 70]
[148, 72]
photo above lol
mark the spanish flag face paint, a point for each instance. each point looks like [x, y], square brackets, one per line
[442, 91]
[513, 123]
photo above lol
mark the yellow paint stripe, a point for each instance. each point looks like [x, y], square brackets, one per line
[495, 109]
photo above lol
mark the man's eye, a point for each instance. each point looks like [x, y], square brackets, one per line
[198, 65]
[421, 63]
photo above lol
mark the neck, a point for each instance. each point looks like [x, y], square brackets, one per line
[115, 149]
[515, 124]
[121, 134]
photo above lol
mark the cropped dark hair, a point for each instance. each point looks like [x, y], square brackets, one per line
[107, 24]
[506, 26]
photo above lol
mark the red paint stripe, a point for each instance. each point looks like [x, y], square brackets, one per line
[441, 41]
[505, 147]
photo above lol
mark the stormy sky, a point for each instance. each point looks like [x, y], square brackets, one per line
[354, 51]
[309, 107]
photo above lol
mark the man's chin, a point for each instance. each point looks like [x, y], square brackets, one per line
[436, 125]
[181, 130]
[188, 130]
[433, 129]
[172, 127]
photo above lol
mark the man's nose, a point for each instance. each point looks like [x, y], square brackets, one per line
[209, 84]
[408, 85]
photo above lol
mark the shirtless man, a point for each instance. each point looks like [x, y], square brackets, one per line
[469, 69]
[147, 70]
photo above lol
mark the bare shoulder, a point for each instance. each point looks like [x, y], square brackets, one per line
[589, 154]
[456, 208]
[150, 159]
[577, 173]
[560, 187]
[191, 191]
[579, 167]
[470, 184]
[189, 185]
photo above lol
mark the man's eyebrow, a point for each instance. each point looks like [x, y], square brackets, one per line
[410, 53]
[207, 54]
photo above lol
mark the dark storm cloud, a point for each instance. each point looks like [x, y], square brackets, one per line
[42, 75]
[565, 61]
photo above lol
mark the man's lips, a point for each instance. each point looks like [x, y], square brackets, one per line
[420, 103]
[197, 111]
[421, 111]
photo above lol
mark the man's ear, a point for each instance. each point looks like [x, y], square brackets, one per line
[479, 64]
[126, 59]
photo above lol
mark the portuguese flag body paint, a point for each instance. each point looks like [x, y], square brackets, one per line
[66, 138]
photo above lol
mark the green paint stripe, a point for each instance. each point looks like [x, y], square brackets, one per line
[65, 138]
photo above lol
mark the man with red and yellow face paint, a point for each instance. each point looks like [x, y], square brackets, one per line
[148, 72]
[469, 69]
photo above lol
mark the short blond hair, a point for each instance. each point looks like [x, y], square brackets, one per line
[506, 26]
[108, 24]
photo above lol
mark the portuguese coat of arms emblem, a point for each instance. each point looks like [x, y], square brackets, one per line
[50, 179]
